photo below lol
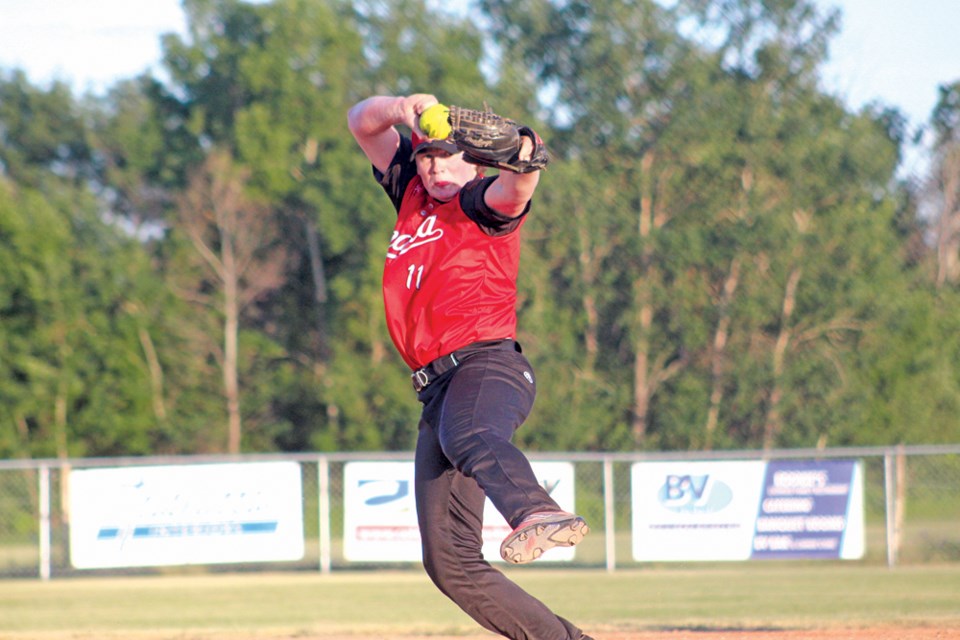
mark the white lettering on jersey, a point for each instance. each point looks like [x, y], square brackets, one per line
[426, 233]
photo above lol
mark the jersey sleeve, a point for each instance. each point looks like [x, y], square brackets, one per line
[491, 221]
[399, 174]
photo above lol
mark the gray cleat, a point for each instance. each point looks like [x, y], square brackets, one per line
[542, 531]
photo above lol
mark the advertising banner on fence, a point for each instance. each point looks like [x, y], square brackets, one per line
[694, 510]
[811, 509]
[186, 514]
[741, 510]
[380, 514]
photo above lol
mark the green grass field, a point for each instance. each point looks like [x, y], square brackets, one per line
[404, 603]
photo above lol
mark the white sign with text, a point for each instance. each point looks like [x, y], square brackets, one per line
[380, 514]
[747, 510]
[186, 514]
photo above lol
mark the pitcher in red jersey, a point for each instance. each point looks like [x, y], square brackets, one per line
[450, 291]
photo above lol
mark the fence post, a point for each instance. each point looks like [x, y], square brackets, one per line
[900, 503]
[609, 515]
[44, 500]
[323, 487]
[890, 508]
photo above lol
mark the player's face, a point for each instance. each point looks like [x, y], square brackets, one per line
[444, 174]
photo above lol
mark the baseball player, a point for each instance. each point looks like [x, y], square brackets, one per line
[449, 288]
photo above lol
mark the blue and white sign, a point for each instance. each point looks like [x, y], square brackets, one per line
[741, 510]
[811, 509]
[694, 510]
[380, 512]
[186, 514]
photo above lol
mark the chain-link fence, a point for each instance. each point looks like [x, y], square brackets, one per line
[911, 506]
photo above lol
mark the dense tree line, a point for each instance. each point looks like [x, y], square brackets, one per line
[721, 255]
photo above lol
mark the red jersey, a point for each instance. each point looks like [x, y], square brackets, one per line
[450, 277]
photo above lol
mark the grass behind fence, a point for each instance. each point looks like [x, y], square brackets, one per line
[397, 603]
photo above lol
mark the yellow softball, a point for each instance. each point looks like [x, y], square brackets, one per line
[435, 122]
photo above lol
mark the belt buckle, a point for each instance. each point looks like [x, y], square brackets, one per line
[420, 380]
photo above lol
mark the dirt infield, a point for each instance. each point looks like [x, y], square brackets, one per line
[872, 633]
[887, 632]
[890, 632]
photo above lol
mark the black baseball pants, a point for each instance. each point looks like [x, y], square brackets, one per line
[464, 453]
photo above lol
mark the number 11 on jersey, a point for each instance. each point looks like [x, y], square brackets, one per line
[414, 276]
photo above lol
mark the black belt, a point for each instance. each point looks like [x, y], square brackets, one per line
[424, 376]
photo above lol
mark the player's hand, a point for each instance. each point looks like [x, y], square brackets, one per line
[413, 106]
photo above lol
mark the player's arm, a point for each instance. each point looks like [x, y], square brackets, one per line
[510, 192]
[373, 124]
[489, 140]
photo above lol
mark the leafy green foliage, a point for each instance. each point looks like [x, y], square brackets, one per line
[719, 255]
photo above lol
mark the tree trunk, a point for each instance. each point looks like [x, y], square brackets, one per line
[154, 368]
[718, 354]
[589, 267]
[948, 224]
[772, 425]
[641, 377]
[231, 328]
[642, 306]
[319, 288]
[156, 374]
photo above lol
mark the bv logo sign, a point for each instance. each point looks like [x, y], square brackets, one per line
[695, 510]
[694, 493]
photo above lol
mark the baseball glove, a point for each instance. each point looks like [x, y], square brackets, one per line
[489, 140]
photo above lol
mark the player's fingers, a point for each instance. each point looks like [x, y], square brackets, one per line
[416, 104]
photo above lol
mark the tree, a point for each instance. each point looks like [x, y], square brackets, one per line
[719, 255]
[75, 374]
[944, 188]
[233, 240]
[44, 133]
[81, 355]
[720, 178]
